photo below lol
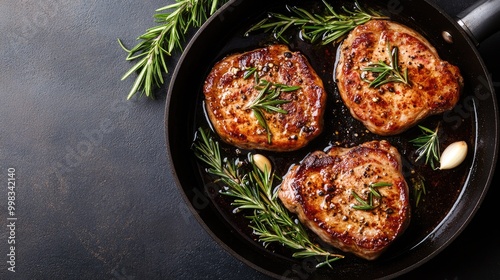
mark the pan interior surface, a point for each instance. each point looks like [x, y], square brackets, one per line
[443, 215]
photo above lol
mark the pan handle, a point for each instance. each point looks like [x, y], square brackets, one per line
[480, 20]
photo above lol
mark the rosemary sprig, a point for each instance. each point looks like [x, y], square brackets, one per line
[368, 204]
[267, 99]
[386, 73]
[253, 192]
[428, 146]
[158, 43]
[328, 28]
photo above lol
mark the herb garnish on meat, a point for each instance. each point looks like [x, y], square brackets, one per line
[386, 73]
[373, 193]
[267, 99]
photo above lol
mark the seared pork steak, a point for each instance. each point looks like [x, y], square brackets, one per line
[355, 199]
[433, 85]
[236, 81]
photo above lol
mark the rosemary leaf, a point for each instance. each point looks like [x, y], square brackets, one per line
[418, 183]
[249, 72]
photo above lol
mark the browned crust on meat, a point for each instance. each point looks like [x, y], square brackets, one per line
[395, 107]
[320, 191]
[227, 94]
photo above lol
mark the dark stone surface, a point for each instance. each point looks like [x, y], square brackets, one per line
[94, 196]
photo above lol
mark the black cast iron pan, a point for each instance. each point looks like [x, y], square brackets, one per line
[452, 197]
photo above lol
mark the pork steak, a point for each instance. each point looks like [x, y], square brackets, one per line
[355, 199]
[233, 84]
[433, 86]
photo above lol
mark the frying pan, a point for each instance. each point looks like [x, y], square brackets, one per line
[475, 118]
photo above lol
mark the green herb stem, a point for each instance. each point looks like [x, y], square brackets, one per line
[418, 183]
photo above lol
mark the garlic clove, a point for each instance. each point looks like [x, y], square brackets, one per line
[453, 155]
[262, 162]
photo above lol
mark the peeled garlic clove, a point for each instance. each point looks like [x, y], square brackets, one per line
[453, 155]
[262, 162]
